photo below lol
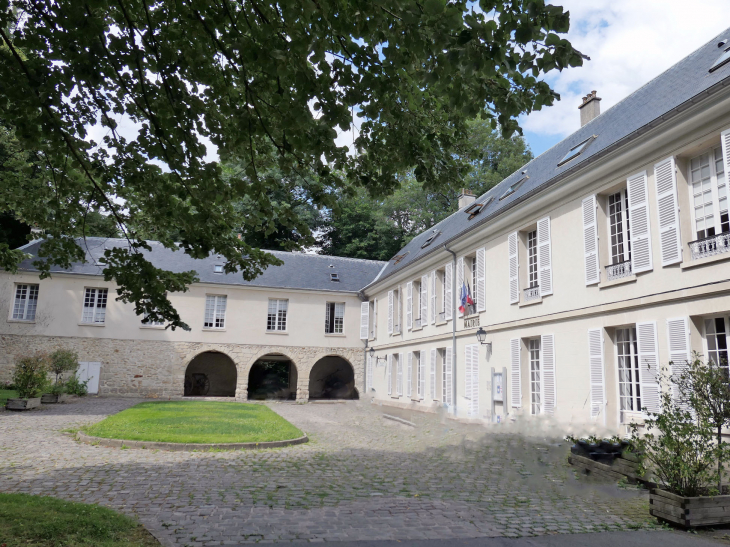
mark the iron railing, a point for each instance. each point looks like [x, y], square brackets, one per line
[710, 246]
[618, 270]
[396, 328]
[417, 324]
[442, 316]
[531, 293]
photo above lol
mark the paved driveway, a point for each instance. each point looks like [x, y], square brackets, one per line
[360, 477]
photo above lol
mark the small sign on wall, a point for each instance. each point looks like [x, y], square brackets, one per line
[497, 387]
[471, 323]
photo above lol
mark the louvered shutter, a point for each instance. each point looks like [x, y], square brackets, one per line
[590, 241]
[389, 374]
[481, 289]
[516, 387]
[467, 377]
[648, 365]
[544, 257]
[459, 282]
[514, 283]
[433, 297]
[595, 366]
[679, 347]
[449, 304]
[433, 374]
[364, 320]
[409, 375]
[369, 382]
[471, 378]
[421, 375]
[666, 196]
[448, 386]
[424, 300]
[375, 318]
[409, 305]
[725, 139]
[390, 312]
[640, 233]
[548, 373]
[399, 375]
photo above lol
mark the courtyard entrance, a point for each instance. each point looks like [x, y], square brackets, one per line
[211, 374]
[332, 377]
[273, 376]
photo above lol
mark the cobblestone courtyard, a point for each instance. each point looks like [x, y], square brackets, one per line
[360, 477]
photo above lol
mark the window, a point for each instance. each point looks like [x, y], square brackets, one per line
[396, 311]
[716, 335]
[513, 188]
[334, 322]
[417, 304]
[629, 386]
[575, 151]
[709, 194]
[335, 277]
[618, 221]
[218, 268]
[149, 323]
[532, 279]
[724, 57]
[276, 320]
[535, 384]
[373, 319]
[94, 306]
[26, 302]
[215, 311]
[434, 235]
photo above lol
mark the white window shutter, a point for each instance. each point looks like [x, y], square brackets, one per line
[595, 366]
[544, 257]
[389, 374]
[399, 374]
[448, 386]
[670, 240]
[725, 139]
[409, 305]
[548, 373]
[679, 346]
[648, 365]
[640, 234]
[390, 312]
[480, 291]
[421, 374]
[433, 374]
[516, 375]
[409, 375]
[590, 241]
[433, 297]
[364, 320]
[471, 378]
[424, 300]
[375, 318]
[449, 304]
[459, 281]
[514, 282]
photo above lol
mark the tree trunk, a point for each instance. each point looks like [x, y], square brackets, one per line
[719, 460]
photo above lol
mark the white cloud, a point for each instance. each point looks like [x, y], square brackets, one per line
[629, 43]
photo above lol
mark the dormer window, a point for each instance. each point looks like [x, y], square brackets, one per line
[434, 235]
[576, 151]
[218, 268]
[474, 209]
[513, 188]
[724, 57]
[397, 258]
[335, 277]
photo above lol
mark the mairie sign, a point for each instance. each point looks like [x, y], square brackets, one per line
[471, 322]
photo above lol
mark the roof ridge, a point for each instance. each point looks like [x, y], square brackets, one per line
[332, 257]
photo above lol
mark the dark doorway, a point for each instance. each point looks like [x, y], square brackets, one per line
[273, 377]
[211, 374]
[332, 378]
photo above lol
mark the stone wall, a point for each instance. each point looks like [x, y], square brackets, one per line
[157, 368]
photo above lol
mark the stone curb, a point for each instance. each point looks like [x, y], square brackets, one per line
[397, 419]
[187, 447]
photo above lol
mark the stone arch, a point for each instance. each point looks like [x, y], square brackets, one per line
[332, 377]
[272, 375]
[211, 373]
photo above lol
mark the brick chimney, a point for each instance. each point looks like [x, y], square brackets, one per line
[590, 108]
[466, 198]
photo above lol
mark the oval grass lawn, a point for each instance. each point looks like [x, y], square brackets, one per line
[195, 422]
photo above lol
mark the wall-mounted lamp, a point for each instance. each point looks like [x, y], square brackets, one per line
[481, 336]
[372, 354]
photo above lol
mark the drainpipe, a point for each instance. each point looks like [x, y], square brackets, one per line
[453, 327]
[363, 298]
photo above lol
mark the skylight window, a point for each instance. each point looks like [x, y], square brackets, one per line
[576, 151]
[398, 258]
[218, 268]
[511, 190]
[335, 277]
[434, 235]
[474, 209]
[724, 57]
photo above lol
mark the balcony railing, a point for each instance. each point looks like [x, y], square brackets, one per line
[710, 246]
[531, 293]
[618, 270]
[396, 328]
[442, 316]
[417, 323]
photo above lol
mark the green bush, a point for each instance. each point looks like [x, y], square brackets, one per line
[73, 386]
[61, 362]
[31, 375]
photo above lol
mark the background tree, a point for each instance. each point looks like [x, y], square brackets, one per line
[167, 85]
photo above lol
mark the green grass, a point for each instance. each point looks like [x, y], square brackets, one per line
[35, 521]
[6, 394]
[195, 422]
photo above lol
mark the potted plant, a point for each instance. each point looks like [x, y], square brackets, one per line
[30, 377]
[61, 362]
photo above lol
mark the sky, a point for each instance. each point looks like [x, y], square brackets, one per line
[629, 42]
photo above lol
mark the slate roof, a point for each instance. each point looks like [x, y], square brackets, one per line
[628, 119]
[299, 271]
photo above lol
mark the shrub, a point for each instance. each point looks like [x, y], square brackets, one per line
[7, 384]
[74, 386]
[62, 361]
[31, 375]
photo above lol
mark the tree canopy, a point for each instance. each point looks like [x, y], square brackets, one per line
[132, 107]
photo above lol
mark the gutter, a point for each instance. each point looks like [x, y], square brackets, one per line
[453, 328]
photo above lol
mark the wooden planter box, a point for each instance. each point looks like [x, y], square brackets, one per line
[620, 469]
[50, 398]
[689, 512]
[23, 404]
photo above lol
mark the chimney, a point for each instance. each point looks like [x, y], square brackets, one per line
[590, 108]
[466, 198]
